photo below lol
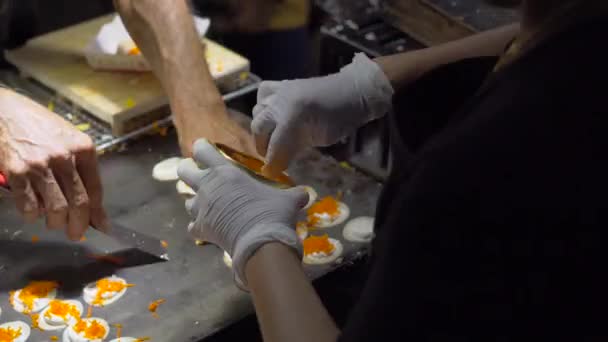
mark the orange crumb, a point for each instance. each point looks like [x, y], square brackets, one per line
[34, 318]
[143, 339]
[89, 311]
[54, 338]
[9, 334]
[90, 329]
[62, 309]
[134, 51]
[164, 243]
[35, 238]
[327, 205]
[118, 330]
[315, 244]
[155, 304]
[83, 239]
[36, 290]
[110, 259]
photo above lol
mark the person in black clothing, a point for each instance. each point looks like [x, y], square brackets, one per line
[493, 226]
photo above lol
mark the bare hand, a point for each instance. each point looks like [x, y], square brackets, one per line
[51, 167]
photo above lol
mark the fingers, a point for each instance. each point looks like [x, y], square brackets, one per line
[262, 127]
[87, 168]
[299, 195]
[76, 197]
[281, 149]
[206, 155]
[44, 182]
[25, 197]
[266, 89]
[191, 174]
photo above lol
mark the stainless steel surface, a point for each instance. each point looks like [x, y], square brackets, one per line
[199, 289]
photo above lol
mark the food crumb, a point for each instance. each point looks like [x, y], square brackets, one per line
[164, 243]
[35, 238]
[54, 338]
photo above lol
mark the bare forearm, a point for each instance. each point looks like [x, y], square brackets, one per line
[403, 69]
[179, 59]
[287, 305]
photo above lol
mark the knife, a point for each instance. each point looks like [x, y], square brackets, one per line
[152, 247]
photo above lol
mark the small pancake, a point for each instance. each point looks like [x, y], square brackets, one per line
[18, 325]
[70, 335]
[227, 259]
[166, 170]
[184, 190]
[90, 293]
[313, 259]
[359, 230]
[344, 213]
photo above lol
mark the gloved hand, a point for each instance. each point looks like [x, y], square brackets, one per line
[293, 115]
[236, 212]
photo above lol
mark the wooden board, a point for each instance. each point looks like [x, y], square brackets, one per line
[117, 98]
[434, 22]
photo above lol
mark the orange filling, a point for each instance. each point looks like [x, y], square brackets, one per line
[9, 334]
[327, 205]
[318, 244]
[91, 330]
[108, 286]
[62, 309]
[36, 290]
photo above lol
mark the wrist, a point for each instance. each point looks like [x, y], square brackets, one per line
[258, 236]
[373, 87]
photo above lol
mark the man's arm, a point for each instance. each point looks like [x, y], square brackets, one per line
[287, 306]
[405, 68]
[165, 33]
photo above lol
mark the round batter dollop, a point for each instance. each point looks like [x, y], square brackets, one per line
[184, 189]
[14, 331]
[227, 259]
[322, 258]
[34, 297]
[166, 170]
[87, 330]
[60, 314]
[360, 230]
[105, 291]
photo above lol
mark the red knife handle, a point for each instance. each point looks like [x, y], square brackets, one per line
[3, 181]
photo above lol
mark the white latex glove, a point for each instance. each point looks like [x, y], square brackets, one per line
[236, 212]
[293, 115]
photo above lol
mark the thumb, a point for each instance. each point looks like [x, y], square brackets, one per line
[299, 195]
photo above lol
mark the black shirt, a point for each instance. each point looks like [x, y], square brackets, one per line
[495, 229]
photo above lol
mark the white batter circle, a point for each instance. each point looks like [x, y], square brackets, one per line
[58, 323]
[184, 189]
[166, 170]
[321, 258]
[25, 330]
[343, 214]
[90, 293]
[69, 335]
[359, 230]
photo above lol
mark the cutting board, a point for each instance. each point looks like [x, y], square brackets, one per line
[124, 100]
